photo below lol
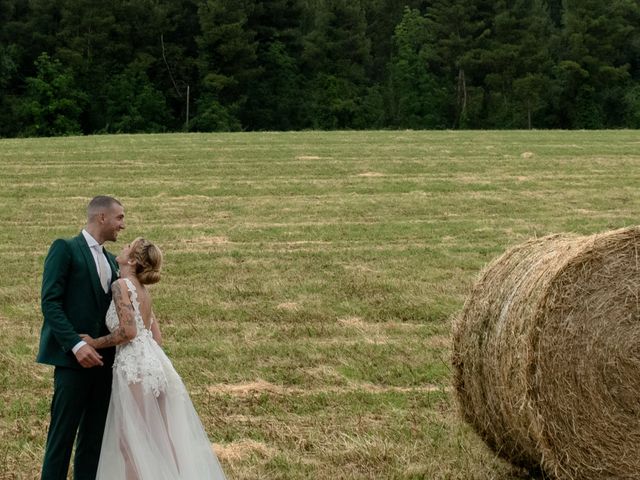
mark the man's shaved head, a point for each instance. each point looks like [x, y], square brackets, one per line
[100, 204]
[105, 218]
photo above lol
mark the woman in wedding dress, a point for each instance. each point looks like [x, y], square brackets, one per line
[152, 431]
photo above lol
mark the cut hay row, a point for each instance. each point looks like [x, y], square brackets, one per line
[547, 355]
[260, 387]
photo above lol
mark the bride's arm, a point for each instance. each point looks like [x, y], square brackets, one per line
[126, 315]
[155, 329]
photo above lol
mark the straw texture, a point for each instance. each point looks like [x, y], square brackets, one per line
[547, 355]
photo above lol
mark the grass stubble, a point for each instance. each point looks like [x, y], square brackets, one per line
[310, 278]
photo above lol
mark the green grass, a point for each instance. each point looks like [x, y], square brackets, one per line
[309, 280]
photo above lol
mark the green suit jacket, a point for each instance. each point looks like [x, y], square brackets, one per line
[73, 302]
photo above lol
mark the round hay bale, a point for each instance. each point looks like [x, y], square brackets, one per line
[546, 355]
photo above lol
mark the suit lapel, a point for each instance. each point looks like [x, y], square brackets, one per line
[91, 266]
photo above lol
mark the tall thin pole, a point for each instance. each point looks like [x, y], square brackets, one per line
[187, 108]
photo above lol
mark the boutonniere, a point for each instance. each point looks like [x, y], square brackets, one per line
[117, 272]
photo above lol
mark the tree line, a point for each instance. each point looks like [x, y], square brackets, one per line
[83, 67]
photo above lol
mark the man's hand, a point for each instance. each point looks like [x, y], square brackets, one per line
[88, 357]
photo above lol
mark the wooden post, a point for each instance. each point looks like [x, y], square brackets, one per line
[187, 108]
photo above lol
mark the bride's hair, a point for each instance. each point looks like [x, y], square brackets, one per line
[149, 260]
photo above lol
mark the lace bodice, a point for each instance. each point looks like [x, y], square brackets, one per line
[138, 359]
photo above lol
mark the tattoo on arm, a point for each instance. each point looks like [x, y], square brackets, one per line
[126, 315]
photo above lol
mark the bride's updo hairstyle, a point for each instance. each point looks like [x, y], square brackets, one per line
[149, 260]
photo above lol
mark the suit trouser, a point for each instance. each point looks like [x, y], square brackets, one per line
[79, 408]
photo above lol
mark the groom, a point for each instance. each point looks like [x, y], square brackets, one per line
[75, 297]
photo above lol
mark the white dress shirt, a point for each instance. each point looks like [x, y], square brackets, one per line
[95, 251]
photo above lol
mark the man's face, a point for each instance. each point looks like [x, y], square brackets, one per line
[112, 222]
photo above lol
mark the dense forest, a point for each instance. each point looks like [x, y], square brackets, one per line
[83, 66]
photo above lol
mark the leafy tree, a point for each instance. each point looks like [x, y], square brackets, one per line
[8, 70]
[336, 57]
[632, 110]
[570, 84]
[460, 29]
[555, 8]
[32, 28]
[52, 103]
[274, 100]
[100, 40]
[516, 62]
[383, 17]
[134, 105]
[420, 99]
[212, 116]
[8, 66]
[600, 46]
[529, 92]
[290, 64]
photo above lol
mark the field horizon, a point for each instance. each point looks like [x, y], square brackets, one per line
[310, 278]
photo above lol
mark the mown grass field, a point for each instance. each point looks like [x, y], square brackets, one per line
[310, 278]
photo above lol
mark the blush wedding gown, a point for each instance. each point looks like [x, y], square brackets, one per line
[152, 431]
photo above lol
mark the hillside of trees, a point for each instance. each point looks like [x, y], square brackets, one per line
[82, 67]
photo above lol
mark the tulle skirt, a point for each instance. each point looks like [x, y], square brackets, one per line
[149, 437]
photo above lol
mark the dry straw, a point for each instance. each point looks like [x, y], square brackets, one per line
[547, 355]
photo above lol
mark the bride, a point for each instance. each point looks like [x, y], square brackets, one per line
[152, 431]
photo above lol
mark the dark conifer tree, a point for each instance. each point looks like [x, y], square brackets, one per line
[227, 59]
[275, 98]
[336, 58]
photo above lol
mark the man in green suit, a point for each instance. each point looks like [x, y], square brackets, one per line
[76, 293]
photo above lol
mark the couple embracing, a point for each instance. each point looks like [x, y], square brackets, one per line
[116, 394]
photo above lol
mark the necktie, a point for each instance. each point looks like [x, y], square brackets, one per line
[103, 269]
